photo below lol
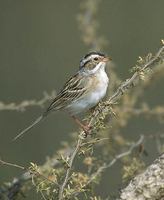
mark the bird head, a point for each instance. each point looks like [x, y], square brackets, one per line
[93, 61]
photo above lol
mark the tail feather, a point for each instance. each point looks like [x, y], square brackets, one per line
[29, 127]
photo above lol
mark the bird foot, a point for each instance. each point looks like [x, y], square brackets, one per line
[86, 129]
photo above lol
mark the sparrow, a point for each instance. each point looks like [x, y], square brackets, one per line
[81, 92]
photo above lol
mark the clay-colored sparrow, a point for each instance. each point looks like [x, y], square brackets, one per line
[82, 91]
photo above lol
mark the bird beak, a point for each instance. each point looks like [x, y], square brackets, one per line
[106, 59]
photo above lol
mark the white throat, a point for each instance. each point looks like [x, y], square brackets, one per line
[100, 66]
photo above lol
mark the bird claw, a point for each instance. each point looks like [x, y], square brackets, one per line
[86, 129]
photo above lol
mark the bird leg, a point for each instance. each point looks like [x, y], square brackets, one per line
[86, 128]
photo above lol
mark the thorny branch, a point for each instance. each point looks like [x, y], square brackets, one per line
[71, 160]
[27, 103]
[126, 85]
[112, 162]
[92, 178]
[16, 185]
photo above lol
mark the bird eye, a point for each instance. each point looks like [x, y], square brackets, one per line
[96, 58]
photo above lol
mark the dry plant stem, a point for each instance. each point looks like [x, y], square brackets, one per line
[128, 83]
[125, 86]
[11, 164]
[2, 162]
[112, 162]
[17, 183]
[62, 187]
[27, 103]
[97, 173]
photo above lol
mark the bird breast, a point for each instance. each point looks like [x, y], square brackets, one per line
[97, 87]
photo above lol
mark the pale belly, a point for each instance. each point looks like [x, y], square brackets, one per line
[91, 99]
[86, 103]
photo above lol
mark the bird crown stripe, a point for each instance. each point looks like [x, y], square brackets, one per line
[94, 53]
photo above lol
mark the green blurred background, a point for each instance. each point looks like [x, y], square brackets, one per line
[41, 46]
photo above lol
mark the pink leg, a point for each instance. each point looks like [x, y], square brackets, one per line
[85, 128]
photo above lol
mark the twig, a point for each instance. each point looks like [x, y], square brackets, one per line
[129, 82]
[70, 163]
[43, 195]
[27, 103]
[11, 164]
[71, 160]
[16, 184]
[112, 162]
[125, 86]
[2, 162]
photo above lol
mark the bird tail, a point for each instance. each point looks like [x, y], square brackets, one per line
[40, 118]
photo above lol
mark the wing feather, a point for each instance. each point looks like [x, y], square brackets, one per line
[72, 90]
